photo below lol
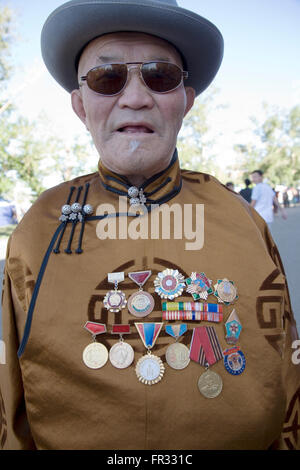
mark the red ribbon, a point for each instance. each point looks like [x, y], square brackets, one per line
[205, 346]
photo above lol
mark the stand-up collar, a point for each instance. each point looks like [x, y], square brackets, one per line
[157, 189]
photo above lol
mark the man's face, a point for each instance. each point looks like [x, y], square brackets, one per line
[135, 132]
[256, 178]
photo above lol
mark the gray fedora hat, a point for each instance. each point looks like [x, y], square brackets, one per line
[74, 24]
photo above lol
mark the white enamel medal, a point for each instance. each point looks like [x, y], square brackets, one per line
[149, 368]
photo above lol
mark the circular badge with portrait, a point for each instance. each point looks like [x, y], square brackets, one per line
[234, 361]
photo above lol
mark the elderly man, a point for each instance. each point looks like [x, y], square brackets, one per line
[97, 271]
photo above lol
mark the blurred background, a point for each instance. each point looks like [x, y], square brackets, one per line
[248, 119]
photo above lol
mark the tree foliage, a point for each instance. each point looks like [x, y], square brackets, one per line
[197, 138]
[277, 150]
[29, 152]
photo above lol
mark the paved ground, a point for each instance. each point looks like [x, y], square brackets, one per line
[286, 234]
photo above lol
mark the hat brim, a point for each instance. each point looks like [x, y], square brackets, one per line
[73, 25]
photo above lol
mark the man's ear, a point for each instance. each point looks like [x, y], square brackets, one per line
[190, 98]
[77, 105]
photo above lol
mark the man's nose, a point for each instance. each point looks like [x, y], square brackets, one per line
[135, 94]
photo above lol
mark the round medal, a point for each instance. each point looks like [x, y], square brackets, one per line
[210, 384]
[169, 284]
[140, 304]
[95, 355]
[178, 356]
[226, 291]
[234, 361]
[121, 355]
[149, 369]
[114, 300]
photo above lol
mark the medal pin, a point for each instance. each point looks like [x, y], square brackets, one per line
[115, 299]
[121, 354]
[95, 355]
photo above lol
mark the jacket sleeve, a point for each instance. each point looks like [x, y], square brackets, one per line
[14, 428]
[289, 438]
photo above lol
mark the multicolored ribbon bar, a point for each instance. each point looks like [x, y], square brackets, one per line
[205, 347]
[191, 315]
[191, 306]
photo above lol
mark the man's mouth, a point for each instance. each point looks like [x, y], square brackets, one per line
[135, 130]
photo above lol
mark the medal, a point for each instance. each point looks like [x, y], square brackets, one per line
[225, 291]
[199, 286]
[233, 328]
[95, 355]
[121, 354]
[115, 299]
[190, 311]
[169, 284]
[206, 350]
[210, 384]
[177, 354]
[149, 368]
[234, 361]
[140, 304]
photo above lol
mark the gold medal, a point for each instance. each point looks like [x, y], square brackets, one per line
[210, 384]
[225, 291]
[178, 356]
[95, 355]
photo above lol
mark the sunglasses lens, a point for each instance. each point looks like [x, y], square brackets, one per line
[161, 77]
[107, 79]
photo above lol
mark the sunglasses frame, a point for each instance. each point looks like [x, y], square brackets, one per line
[139, 65]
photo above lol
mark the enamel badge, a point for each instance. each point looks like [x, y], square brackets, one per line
[115, 299]
[225, 291]
[141, 303]
[199, 286]
[233, 328]
[169, 284]
[234, 361]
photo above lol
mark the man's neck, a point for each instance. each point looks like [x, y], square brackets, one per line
[136, 180]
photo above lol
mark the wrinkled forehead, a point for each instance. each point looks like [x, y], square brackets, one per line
[117, 46]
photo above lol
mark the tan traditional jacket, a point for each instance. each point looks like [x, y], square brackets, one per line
[51, 400]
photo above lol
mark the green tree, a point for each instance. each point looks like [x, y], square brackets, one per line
[275, 148]
[197, 137]
[28, 151]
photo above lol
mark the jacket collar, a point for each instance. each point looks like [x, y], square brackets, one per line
[157, 189]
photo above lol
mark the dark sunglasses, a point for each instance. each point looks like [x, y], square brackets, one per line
[111, 79]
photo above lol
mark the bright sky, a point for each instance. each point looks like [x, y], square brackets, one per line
[261, 62]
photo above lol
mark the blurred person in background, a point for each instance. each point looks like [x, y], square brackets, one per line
[230, 185]
[263, 197]
[247, 191]
[8, 213]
